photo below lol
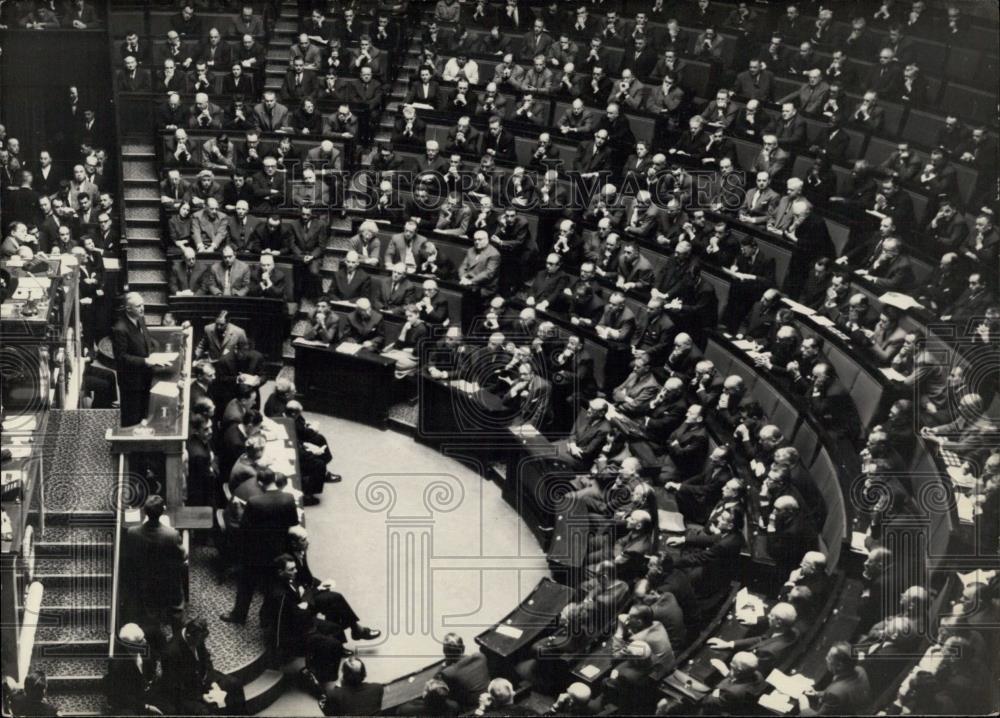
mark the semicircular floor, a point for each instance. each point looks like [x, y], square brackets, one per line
[414, 572]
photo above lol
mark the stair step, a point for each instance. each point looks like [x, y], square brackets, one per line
[87, 703]
[141, 233]
[142, 212]
[140, 147]
[146, 276]
[76, 558]
[141, 192]
[154, 296]
[138, 169]
[71, 667]
[264, 690]
[83, 594]
[146, 253]
[78, 520]
[73, 632]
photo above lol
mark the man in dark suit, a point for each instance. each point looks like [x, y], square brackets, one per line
[738, 692]
[363, 326]
[266, 280]
[190, 682]
[299, 82]
[466, 675]
[132, 347]
[185, 275]
[132, 78]
[790, 534]
[351, 282]
[687, 448]
[266, 520]
[810, 239]
[393, 295]
[154, 559]
[353, 695]
[771, 647]
[595, 156]
[132, 673]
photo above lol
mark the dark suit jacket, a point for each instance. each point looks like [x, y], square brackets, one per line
[363, 700]
[265, 524]
[467, 678]
[353, 289]
[154, 557]
[132, 345]
[185, 671]
[181, 278]
[769, 649]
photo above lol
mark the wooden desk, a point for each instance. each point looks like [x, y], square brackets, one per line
[407, 688]
[519, 629]
[450, 413]
[354, 386]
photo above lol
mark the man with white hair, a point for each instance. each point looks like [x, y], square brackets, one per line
[267, 280]
[481, 265]
[133, 346]
[771, 647]
[738, 693]
[590, 433]
[131, 674]
[395, 293]
[790, 535]
[350, 282]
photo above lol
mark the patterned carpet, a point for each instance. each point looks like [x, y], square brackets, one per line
[232, 646]
[80, 475]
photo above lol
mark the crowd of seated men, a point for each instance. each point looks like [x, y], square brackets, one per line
[237, 157]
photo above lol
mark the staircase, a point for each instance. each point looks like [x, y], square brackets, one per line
[74, 560]
[147, 263]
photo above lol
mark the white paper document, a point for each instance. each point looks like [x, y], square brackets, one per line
[166, 389]
[791, 685]
[348, 348]
[510, 631]
[164, 357]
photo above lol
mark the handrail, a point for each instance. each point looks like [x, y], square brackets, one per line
[26, 638]
[115, 574]
[115, 132]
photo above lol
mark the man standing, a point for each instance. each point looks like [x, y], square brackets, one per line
[133, 363]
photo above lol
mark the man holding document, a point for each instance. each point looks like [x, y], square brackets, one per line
[135, 360]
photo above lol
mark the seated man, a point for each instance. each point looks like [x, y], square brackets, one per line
[185, 275]
[190, 682]
[393, 295]
[229, 277]
[351, 283]
[314, 453]
[363, 325]
[325, 325]
[771, 647]
[590, 433]
[644, 645]
[738, 692]
[352, 695]
[450, 357]
[406, 350]
[466, 675]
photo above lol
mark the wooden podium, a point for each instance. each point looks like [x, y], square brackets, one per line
[163, 434]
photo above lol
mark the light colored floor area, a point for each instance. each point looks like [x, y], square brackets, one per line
[418, 543]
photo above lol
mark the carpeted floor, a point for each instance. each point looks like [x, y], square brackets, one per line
[469, 563]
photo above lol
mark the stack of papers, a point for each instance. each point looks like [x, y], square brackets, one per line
[891, 373]
[348, 348]
[776, 702]
[509, 631]
[967, 508]
[799, 308]
[822, 320]
[901, 301]
[164, 357]
[793, 686]
[166, 389]
[671, 521]
[525, 431]
[749, 607]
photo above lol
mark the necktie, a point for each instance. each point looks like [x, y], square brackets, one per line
[227, 284]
